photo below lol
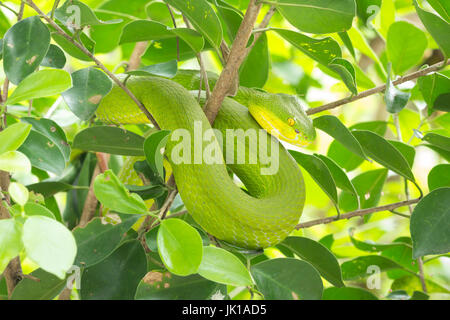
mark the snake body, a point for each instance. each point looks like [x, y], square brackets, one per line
[270, 207]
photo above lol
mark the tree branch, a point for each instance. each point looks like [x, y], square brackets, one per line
[229, 74]
[357, 213]
[95, 60]
[381, 88]
[135, 59]
[263, 25]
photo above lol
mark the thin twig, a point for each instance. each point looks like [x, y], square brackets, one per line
[357, 213]
[175, 26]
[422, 275]
[96, 61]
[381, 88]
[229, 74]
[10, 9]
[203, 73]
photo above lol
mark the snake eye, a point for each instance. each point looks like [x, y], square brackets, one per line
[291, 122]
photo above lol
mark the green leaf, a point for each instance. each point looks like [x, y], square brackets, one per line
[384, 153]
[180, 247]
[347, 73]
[144, 30]
[43, 83]
[347, 42]
[340, 178]
[435, 89]
[154, 147]
[14, 162]
[287, 279]
[90, 85]
[318, 255]
[318, 16]
[347, 293]
[439, 177]
[163, 51]
[47, 288]
[429, 224]
[52, 131]
[395, 99]
[148, 191]
[35, 209]
[77, 15]
[412, 283]
[54, 58]
[70, 48]
[362, 267]
[323, 50]
[443, 153]
[191, 37]
[165, 286]
[98, 239]
[113, 195]
[202, 17]
[442, 7]
[221, 266]
[43, 153]
[336, 129]
[49, 244]
[438, 28]
[24, 47]
[368, 185]
[166, 69]
[107, 37]
[157, 11]
[49, 188]
[13, 136]
[437, 140]
[401, 255]
[374, 247]
[408, 152]
[116, 277]
[254, 71]
[10, 242]
[111, 140]
[405, 46]
[319, 172]
[343, 157]
[19, 193]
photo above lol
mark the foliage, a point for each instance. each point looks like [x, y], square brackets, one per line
[59, 163]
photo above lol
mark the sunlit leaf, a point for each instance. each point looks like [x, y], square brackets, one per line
[429, 224]
[180, 247]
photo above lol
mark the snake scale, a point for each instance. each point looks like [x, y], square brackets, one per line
[268, 209]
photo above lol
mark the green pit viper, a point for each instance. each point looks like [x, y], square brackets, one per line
[271, 206]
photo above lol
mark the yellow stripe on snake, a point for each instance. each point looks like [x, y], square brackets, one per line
[272, 204]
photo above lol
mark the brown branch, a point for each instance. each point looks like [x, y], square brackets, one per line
[95, 60]
[262, 25]
[91, 202]
[381, 88]
[357, 213]
[13, 273]
[224, 85]
[135, 59]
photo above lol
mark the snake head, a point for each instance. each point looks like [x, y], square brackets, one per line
[283, 116]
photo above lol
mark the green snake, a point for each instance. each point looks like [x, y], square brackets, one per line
[264, 212]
